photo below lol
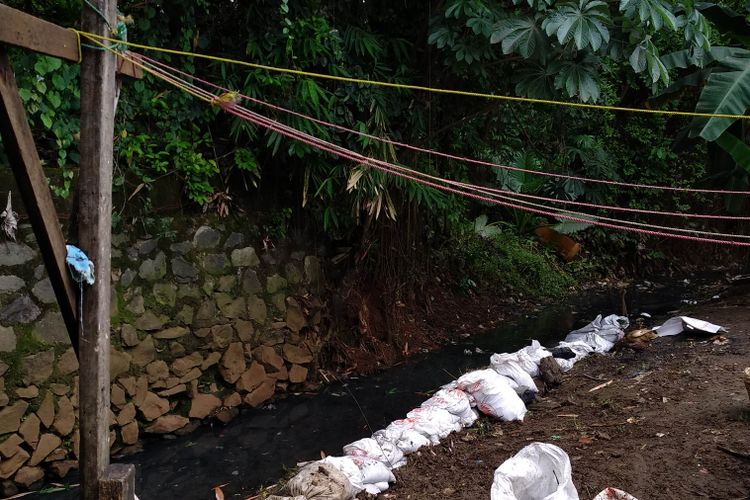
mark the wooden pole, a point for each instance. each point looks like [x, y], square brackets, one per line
[32, 184]
[94, 237]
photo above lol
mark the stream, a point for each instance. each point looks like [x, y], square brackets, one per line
[256, 447]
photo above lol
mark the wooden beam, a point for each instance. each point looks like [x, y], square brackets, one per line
[32, 184]
[118, 483]
[95, 238]
[29, 32]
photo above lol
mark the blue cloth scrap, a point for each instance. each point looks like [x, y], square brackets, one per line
[81, 268]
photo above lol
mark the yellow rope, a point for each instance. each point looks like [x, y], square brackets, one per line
[78, 41]
[92, 36]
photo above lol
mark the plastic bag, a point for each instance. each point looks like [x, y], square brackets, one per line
[512, 369]
[493, 394]
[581, 350]
[540, 471]
[320, 481]
[385, 452]
[456, 402]
[433, 423]
[402, 434]
[347, 467]
[610, 328]
[375, 474]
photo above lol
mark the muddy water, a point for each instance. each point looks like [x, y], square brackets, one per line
[255, 448]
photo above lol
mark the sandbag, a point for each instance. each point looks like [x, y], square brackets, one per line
[402, 434]
[319, 481]
[581, 350]
[375, 474]
[346, 466]
[512, 369]
[385, 452]
[540, 471]
[493, 394]
[614, 494]
[456, 402]
[610, 328]
[434, 423]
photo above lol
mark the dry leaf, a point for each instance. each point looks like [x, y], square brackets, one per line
[219, 492]
[585, 440]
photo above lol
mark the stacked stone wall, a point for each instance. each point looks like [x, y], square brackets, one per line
[202, 325]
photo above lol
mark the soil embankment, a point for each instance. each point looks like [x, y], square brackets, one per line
[661, 429]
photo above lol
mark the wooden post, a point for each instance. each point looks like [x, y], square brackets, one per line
[32, 184]
[94, 237]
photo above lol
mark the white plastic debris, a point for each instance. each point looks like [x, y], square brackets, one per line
[493, 394]
[679, 324]
[386, 452]
[614, 494]
[610, 328]
[456, 402]
[375, 475]
[321, 481]
[540, 471]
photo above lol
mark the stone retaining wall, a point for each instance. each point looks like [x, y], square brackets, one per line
[202, 324]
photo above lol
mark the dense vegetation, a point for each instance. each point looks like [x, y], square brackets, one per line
[643, 53]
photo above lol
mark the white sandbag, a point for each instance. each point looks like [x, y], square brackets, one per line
[512, 369]
[375, 474]
[318, 481]
[535, 352]
[610, 328]
[434, 423]
[540, 471]
[406, 439]
[580, 349]
[386, 452]
[347, 467]
[456, 402]
[493, 394]
[614, 494]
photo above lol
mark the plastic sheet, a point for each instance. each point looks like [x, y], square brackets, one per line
[610, 328]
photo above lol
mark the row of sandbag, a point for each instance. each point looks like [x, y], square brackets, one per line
[497, 391]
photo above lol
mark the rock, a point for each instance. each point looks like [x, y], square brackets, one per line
[119, 363]
[252, 377]
[137, 305]
[295, 318]
[7, 339]
[127, 278]
[66, 418]
[8, 489]
[4, 399]
[51, 329]
[245, 330]
[193, 374]
[281, 374]
[279, 302]
[27, 392]
[11, 465]
[227, 283]
[222, 335]
[206, 315]
[165, 294]
[150, 322]
[68, 363]
[297, 374]
[184, 271]
[216, 263]
[245, 257]
[9, 447]
[59, 389]
[46, 411]
[61, 468]
[182, 366]
[153, 269]
[296, 354]
[3, 368]
[27, 476]
[157, 370]
[29, 430]
[37, 368]
[250, 283]
[153, 406]
[181, 248]
[232, 363]
[10, 284]
[58, 454]
[144, 352]
[269, 357]
[44, 292]
[14, 254]
[179, 388]
[206, 238]
[233, 400]
[234, 240]
[185, 316]
[129, 335]
[275, 283]
[272, 337]
[126, 415]
[312, 270]
[22, 310]
[262, 394]
[47, 444]
[129, 433]
[129, 384]
[211, 360]
[293, 274]
[117, 396]
[172, 333]
[257, 309]
[167, 423]
[176, 349]
[202, 405]
[226, 415]
[232, 308]
[145, 247]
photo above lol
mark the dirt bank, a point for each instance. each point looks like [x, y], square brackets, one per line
[656, 431]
